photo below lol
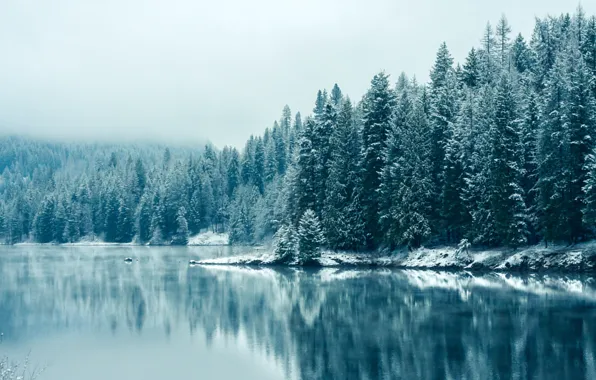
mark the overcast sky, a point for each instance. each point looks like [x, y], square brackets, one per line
[190, 70]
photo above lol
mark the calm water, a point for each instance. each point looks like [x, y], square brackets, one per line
[86, 314]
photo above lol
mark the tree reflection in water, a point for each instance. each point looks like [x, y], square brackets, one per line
[318, 324]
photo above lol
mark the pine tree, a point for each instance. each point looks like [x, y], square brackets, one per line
[580, 111]
[143, 217]
[506, 195]
[405, 180]
[589, 209]
[72, 232]
[285, 121]
[60, 221]
[320, 105]
[529, 130]
[453, 210]
[140, 180]
[125, 223]
[322, 151]
[471, 70]
[242, 216]
[487, 55]
[270, 156]
[341, 220]
[233, 172]
[303, 193]
[194, 214]
[478, 114]
[310, 237]
[588, 48]
[443, 103]
[181, 235]
[2, 221]
[280, 150]
[258, 173]
[544, 46]
[156, 234]
[285, 244]
[520, 55]
[247, 162]
[111, 216]
[503, 31]
[336, 96]
[44, 220]
[378, 105]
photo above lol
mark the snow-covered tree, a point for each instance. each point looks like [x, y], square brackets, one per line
[506, 170]
[310, 237]
[378, 106]
[181, 235]
[285, 244]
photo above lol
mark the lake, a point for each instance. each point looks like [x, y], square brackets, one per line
[83, 313]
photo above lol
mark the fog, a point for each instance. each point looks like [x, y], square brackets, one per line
[189, 71]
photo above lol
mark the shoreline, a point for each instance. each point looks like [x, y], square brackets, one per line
[580, 258]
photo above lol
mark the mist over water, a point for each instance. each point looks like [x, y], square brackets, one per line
[87, 314]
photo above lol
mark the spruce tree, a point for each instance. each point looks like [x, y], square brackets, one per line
[303, 192]
[405, 179]
[125, 223]
[443, 111]
[181, 235]
[341, 220]
[471, 70]
[552, 147]
[529, 133]
[143, 217]
[506, 170]
[589, 209]
[336, 96]
[44, 221]
[59, 221]
[285, 244]
[233, 172]
[258, 173]
[310, 238]
[521, 58]
[322, 151]
[580, 125]
[378, 105]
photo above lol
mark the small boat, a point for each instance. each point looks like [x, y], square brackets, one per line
[193, 262]
[128, 260]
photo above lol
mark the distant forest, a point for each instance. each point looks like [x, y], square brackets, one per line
[498, 151]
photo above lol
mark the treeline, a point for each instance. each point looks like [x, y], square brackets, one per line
[498, 151]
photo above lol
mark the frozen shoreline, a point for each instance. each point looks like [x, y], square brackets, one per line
[580, 258]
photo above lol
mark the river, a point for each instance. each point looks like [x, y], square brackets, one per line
[83, 313]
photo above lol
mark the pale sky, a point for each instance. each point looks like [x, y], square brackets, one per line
[189, 70]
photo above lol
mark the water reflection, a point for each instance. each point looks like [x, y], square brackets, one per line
[325, 324]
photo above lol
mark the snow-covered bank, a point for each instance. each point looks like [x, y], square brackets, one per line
[209, 238]
[576, 258]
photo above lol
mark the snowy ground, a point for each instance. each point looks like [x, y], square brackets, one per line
[209, 238]
[576, 258]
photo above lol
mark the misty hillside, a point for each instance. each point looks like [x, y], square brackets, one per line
[498, 150]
